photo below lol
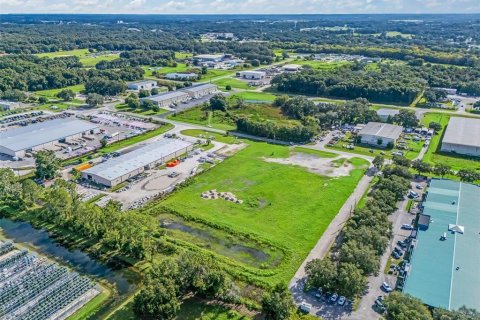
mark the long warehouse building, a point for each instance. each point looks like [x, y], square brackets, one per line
[16, 142]
[117, 170]
[462, 136]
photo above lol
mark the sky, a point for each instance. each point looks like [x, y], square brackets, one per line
[239, 6]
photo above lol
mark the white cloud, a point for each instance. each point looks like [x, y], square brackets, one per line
[240, 6]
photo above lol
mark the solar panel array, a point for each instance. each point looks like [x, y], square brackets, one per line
[36, 288]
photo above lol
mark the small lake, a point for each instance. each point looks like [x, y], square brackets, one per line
[23, 233]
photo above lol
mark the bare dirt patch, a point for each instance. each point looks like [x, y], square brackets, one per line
[330, 167]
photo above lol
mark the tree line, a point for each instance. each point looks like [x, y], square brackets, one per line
[364, 239]
[390, 85]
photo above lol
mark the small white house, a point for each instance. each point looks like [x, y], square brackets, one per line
[142, 85]
[252, 75]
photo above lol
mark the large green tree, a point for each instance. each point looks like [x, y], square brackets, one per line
[405, 307]
[278, 303]
[47, 164]
[157, 300]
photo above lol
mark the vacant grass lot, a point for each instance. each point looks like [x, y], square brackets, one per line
[144, 112]
[234, 83]
[254, 96]
[321, 65]
[52, 93]
[433, 154]
[86, 58]
[226, 121]
[206, 134]
[284, 205]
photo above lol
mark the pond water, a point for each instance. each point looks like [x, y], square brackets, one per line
[234, 248]
[24, 233]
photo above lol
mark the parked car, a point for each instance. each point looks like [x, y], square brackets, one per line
[407, 226]
[396, 255]
[402, 244]
[334, 298]
[419, 186]
[341, 301]
[386, 287]
[305, 307]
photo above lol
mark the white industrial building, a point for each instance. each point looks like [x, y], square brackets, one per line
[253, 75]
[380, 134]
[201, 90]
[209, 57]
[181, 76]
[9, 105]
[291, 68]
[384, 113]
[462, 136]
[167, 99]
[16, 142]
[117, 170]
[142, 85]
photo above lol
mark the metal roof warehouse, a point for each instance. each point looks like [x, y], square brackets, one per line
[117, 170]
[462, 136]
[16, 141]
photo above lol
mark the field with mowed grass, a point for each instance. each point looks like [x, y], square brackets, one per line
[234, 83]
[285, 210]
[87, 58]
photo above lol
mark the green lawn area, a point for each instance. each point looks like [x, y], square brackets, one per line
[206, 134]
[76, 52]
[433, 154]
[52, 93]
[182, 55]
[320, 153]
[86, 58]
[255, 96]
[214, 73]
[191, 309]
[181, 67]
[284, 205]
[207, 118]
[234, 83]
[396, 33]
[321, 65]
[144, 112]
[91, 307]
[226, 120]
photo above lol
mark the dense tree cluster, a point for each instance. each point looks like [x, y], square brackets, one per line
[365, 238]
[167, 282]
[390, 85]
[134, 235]
[31, 73]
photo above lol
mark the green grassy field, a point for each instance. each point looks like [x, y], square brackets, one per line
[284, 205]
[91, 307]
[52, 93]
[234, 83]
[144, 112]
[199, 116]
[205, 134]
[76, 52]
[191, 309]
[255, 96]
[225, 121]
[321, 65]
[181, 67]
[86, 58]
[433, 154]
[182, 55]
